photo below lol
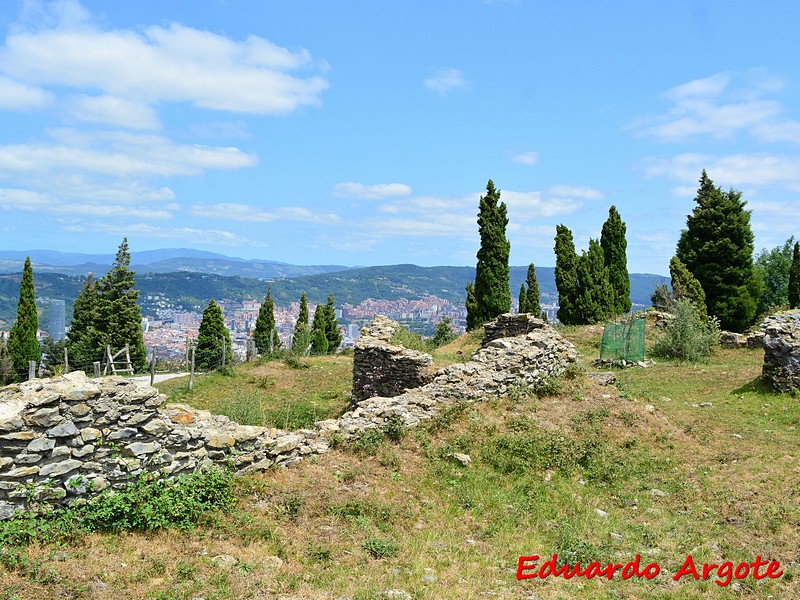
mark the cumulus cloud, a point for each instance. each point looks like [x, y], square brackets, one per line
[233, 211]
[119, 154]
[174, 63]
[18, 96]
[736, 170]
[378, 191]
[526, 158]
[114, 111]
[191, 234]
[720, 107]
[445, 81]
[27, 201]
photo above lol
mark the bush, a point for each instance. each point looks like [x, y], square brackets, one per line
[688, 337]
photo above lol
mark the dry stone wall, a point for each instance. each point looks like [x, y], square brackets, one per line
[782, 351]
[381, 368]
[69, 438]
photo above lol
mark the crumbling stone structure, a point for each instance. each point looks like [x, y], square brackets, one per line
[381, 368]
[782, 351]
[70, 437]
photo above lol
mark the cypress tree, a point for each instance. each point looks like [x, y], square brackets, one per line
[614, 245]
[210, 338]
[594, 294]
[794, 278]
[471, 305]
[717, 248]
[492, 295]
[301, 337]
[685, 285]
[566, 276]
[265, 334]
[7, 371]
[119, 316]
[332, 333]
[319, 341]
[532, 303]
[22, 343]
[523, 299]
[85, 341]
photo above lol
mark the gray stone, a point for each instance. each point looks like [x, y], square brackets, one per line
[65, 429]
[7, 510]
[122, 434]
[83, 451]
[225, 561]
[45, 417]
[60, 468]
[141, 448]
[156, 427]
[41, 445]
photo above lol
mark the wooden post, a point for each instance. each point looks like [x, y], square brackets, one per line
[31, 369]
[191, 373]
[96, 365]
[153, 367]
[66, 360]
[223, 354]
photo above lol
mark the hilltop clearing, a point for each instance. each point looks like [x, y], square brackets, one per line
[676, 460]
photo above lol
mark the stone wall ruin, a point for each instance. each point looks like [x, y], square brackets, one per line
[71, 437]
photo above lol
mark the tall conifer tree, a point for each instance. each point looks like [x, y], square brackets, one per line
[614, 245]
[212, 336]
[717, 248]
[566, 277]
[119, 315]
[594, 300]
[492, 294]
[319, 341]
[523, 299]
[301, 337]
[85, 341]
[794, 278]
[685, 285]
[22, 343]
[332, 333]
[265, 334]
[532, 300]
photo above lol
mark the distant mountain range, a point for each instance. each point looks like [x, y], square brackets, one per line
[167, 260]
[193, 279]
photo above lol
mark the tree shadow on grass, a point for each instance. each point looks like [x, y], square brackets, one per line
[757, 386]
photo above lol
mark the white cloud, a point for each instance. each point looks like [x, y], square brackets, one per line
[27, 201]
[111, 110]
[119, 154]
[714, 107]
[575, 191]
[379, 191]
[196, 236]
[525, 206]
[244, 212]
[18, 96]
[526, 158]
[162, 64]
[736, 170]
[445, 81]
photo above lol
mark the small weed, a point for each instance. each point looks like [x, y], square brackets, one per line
[185, 571]
[394, 428]
[367, 442]
[629, 418]
[380, 548]
[319, 552]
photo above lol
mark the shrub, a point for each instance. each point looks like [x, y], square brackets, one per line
[688, 337]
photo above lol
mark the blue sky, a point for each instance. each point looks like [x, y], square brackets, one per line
[362, 133]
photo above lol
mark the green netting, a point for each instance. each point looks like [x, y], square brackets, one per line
[623, 341]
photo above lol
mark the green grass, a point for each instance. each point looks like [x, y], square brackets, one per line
[271, 394]
[587, 472]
